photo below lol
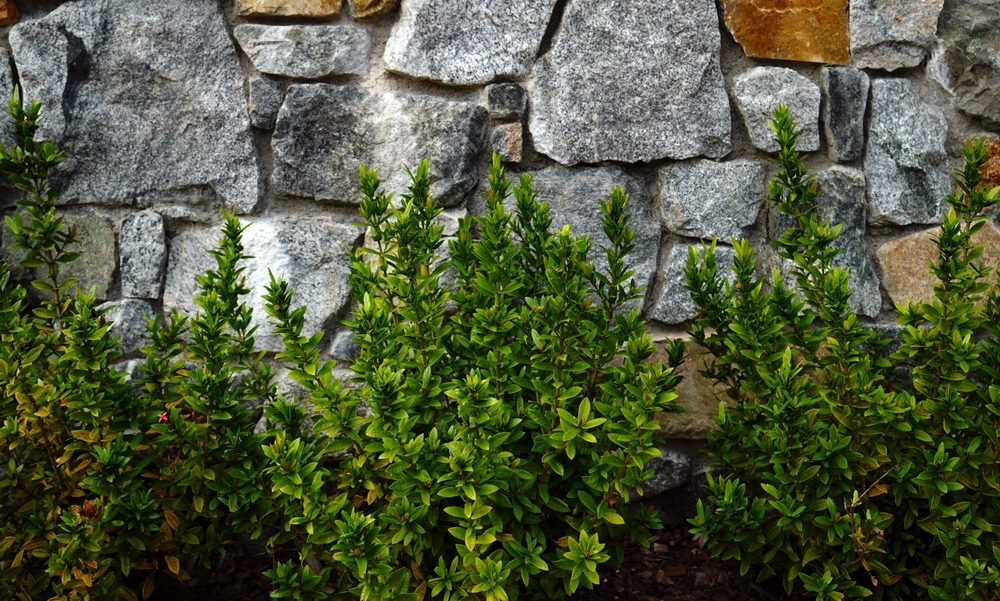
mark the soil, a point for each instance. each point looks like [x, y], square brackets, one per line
[674, 568]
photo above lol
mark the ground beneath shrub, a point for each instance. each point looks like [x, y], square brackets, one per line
[675, 568]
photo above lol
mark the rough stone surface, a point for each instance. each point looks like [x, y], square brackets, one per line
[903, 263]
[343, 347]
[323, 132]
[803, 30]
[505, 100]
[573, 198]
[670, 470]
[697, 396]
[469, 41]
[842, 200]
[846, 92]
[306, 51]
[143, 249]
[507, 140]
[147, 105]
[891, 34]
[675, 305]
[127, 317]
[631, 81]
[8, 14]
[312, 254]
[290, 8]
[266, 94]
[370, 9]
[905, 158]
[966, 59]
[6, 84]
[709, 199]
[760, 90]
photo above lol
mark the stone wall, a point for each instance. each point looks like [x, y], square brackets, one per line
[170, 109]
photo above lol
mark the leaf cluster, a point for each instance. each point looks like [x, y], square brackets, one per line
[843, 469]
[501, 414]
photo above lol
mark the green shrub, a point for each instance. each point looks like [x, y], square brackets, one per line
[842, 469]
[497, 429]
[101, 486]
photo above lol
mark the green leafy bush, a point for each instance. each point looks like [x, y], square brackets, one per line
[842, 469]
[102, 486]
[497, 428]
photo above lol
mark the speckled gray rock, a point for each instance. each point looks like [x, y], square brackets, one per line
[95, 268]
[343, 347]
[631, 81]
[312, 254]
[306, 51]
[385, 131]
[760, 90]
[468, 41]
[671, 470]
[905, 158]
[504, 100]
[842, 200]
[892, 34]
[143, 249]
[127, 317]
[675, 305]
[265, 96]
[148, 105]
[966, 60]
[573, 196]
[846, 92]
[6, 84]
[709, 199]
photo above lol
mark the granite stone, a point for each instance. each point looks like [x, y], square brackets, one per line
[674, 305]
[905, 159]
[631, 81]
[264, 100]
[892, 34]
[846, 99]
[143, 249]
[760, 90]
[966, 59]
[128, 322]
[709, 199]
[306, 51]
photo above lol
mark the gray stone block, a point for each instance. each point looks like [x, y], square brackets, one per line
[468, 42]
[846, 93]
[266, 95]
[148, 105]
[312, 254]
[760, 90]
[143, 250]
[505, 100]
[905, 160]
[675, 305]
[631, 81]
[127, 317]
[966, 59]
[381, 130]
[709, 199]
[306, 51]
[892, 35]
[573, 196]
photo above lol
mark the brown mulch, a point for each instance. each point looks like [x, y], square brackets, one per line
[674, 568]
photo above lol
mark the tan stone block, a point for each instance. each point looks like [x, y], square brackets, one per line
[697, 396]
[507, 140]
[802, 30]
[290, 8]
[368, 9]
[904, 263]
[8, 12]
[991, 170]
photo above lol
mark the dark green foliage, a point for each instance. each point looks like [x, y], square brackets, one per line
[102, 486]
[508, 413]
[841, 470]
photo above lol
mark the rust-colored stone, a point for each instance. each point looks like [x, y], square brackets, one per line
[290, 8]
[801, 30]
[697, 396]
[8, 12]
[904, 263]
[369, 9]
[991, 170]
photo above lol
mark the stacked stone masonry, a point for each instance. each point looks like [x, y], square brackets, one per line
[170, 110]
